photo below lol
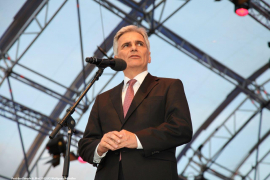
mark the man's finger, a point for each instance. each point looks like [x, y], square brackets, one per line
[108, 146]
[115, 138]
[118, 134]
[111, 142]
[122, 145]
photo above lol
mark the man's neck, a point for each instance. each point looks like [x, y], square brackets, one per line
[133, 73]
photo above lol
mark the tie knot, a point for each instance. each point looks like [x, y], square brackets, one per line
[132, 82]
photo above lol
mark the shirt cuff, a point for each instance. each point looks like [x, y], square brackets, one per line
[97, 158]
[139, 144]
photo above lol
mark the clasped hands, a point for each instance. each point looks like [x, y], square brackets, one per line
[116, 140]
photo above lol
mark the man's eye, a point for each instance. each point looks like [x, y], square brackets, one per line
[140, 44]
[125, 45]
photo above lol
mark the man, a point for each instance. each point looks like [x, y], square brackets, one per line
[134, 128]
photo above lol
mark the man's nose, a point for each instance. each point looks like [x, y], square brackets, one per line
[133, 47]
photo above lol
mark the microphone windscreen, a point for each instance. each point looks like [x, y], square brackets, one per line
[120, 65]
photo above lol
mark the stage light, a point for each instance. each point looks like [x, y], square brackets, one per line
[55, 161]
[241, 7]
[56, 147]
[241, 12]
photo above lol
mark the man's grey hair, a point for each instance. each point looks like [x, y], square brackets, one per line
[130, 28]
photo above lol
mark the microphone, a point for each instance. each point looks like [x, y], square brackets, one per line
[115, 64]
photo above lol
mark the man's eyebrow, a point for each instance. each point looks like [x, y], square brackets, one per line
[139, 41]
[128, 42]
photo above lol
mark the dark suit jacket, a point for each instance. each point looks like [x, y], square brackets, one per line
[158, 115]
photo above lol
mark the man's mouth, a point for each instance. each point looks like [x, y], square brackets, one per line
[134, 56]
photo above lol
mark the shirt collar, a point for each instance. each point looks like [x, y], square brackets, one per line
[140, 77]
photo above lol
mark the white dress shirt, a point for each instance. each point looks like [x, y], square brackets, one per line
[140, 77]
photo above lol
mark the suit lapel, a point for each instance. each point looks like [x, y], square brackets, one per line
[148, 84]
[116, 98]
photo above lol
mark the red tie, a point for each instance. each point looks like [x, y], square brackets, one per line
[128, 99]
[129, 96]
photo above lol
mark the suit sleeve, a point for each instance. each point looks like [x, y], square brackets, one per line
[177, 127]
[92, 136]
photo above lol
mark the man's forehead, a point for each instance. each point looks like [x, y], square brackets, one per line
[131, 36]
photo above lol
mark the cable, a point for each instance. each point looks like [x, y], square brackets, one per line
[102, 26]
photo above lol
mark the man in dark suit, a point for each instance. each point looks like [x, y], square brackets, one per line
[134, 129]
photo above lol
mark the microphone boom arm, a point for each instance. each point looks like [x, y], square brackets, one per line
[70, 123]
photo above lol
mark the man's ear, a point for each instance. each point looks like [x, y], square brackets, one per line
[149, 60]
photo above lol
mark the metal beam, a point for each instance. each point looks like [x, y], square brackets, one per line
[260, 11]
[211, 171]
[231, 96]
[21, 20]
[40, 87]
[19, 128]
[249, 154]
[32, 119]
[211, 160]
[81, 43]
[260, 161]
[39, 74]
[16, 29]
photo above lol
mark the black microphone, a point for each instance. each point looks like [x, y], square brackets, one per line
[115, 64]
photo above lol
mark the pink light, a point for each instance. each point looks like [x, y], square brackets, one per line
[81, 160]
[241, 12]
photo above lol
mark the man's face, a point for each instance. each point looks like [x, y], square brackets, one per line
[132, 48]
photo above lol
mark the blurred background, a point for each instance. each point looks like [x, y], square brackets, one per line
[219, 49]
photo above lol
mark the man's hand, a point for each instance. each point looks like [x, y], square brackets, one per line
[110, 141]
[128, 140]
[116, 140]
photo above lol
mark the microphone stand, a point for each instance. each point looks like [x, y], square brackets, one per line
[70, 122]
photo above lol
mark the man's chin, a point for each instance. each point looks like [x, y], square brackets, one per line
[135, 64]
[135, 67]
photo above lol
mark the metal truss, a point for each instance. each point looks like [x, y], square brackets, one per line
[32, 119]
[260, 11]
[255, 147]
[40, 87]
[78, 134]
[17, 29]
[138, 14]
[231, 96]
[26, 16]
[13, 34]
[44, 130]
[233, 131]
[256, 166]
